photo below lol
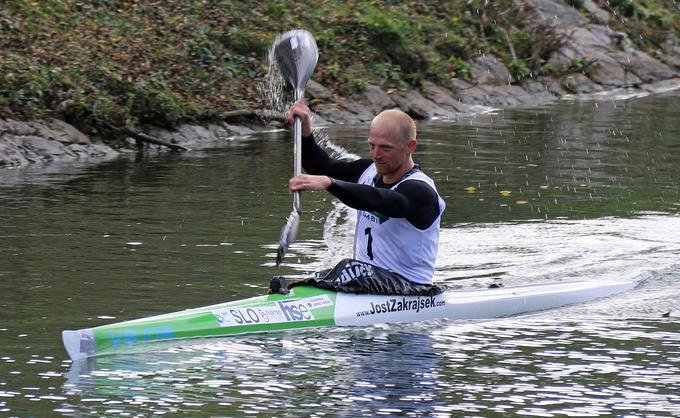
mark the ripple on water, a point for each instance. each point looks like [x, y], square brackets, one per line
[536, 366]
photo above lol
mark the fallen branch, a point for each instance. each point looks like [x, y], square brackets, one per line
[509, 42]
[140, 136]
[253, 114]
[262, 115]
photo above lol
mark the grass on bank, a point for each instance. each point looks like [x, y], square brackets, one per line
[124, 63]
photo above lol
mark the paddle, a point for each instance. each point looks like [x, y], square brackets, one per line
[296, 55]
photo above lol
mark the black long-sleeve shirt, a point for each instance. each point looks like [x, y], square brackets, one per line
[414, 200]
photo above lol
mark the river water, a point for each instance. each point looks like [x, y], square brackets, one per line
[577, 190]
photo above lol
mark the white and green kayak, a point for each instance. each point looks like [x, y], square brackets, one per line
[308, 307]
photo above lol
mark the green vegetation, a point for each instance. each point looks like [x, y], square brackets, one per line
[648, 23]
[578, 65]
[124, 63]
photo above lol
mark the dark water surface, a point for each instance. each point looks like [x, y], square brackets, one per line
[583, 190]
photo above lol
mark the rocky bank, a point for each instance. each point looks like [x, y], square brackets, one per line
[608, 62]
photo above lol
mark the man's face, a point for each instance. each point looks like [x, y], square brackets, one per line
[388, 153]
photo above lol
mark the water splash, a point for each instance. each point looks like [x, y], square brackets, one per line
[272, 88]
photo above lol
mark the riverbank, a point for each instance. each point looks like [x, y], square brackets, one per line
[565, 49]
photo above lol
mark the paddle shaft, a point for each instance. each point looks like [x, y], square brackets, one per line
[297, 150]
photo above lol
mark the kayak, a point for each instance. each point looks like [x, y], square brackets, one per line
[311, 307]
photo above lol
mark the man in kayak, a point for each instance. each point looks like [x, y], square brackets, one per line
[398, 207]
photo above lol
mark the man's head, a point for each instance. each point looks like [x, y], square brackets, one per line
[402, 127]
[392, 140]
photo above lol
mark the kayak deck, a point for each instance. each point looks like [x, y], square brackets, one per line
[309, 307]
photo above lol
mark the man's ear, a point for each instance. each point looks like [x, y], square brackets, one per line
[412, 145]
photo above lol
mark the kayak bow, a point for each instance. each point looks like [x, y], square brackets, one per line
[310, 307]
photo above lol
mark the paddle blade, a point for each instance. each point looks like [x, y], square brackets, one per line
[288, 235]
[296, 55]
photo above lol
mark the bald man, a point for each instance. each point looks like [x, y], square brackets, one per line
[398, 207]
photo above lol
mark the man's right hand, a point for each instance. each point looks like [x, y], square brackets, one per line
[308, 182]
[300, 109]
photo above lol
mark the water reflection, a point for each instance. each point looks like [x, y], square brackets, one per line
[525, 366]
[383, 371]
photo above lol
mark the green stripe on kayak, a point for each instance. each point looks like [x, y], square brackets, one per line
[303, 307]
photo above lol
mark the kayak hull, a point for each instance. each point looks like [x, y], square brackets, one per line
[310, 307]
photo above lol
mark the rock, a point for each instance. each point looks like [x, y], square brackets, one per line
[670, 45]
[11, 154]
[418, 107]
[318, 120]
[499, 96]
[457, 84]
[192, 136]
[488, 69]
[237, 130]
[550, 84]
[197, 136]
[643, 65]
[661, 86]
[670, 58]
[58, 130]
[16, 127]
[361, 112]
[553, 13]
[579, 84]
[45, 149]
[68, 132]
[346, 111]
[670, 52]
[511, 95]
[480, 98]
[610, 73]
[172, 137]
[607, 38]
[442, 97]
[544, 88]
[220, 132]
[376, 99]
[80, 151]
[101, 151]
[596, 45]
[18, 150]
[316, 91]
[472, 96]
[196, 133]
[333, 113]
[42, 130]
[600, 15]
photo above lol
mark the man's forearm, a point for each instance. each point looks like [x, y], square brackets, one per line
[413, 200]
[315, 160]
[368, 198]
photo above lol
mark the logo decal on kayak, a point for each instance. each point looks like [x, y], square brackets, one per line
[413, 304]
[287, 310]
[131, 336]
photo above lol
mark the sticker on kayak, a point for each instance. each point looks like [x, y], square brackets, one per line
[321, 301]
[280, 311]
[368, 309]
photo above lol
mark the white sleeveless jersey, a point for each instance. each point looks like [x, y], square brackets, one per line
[394, 243]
